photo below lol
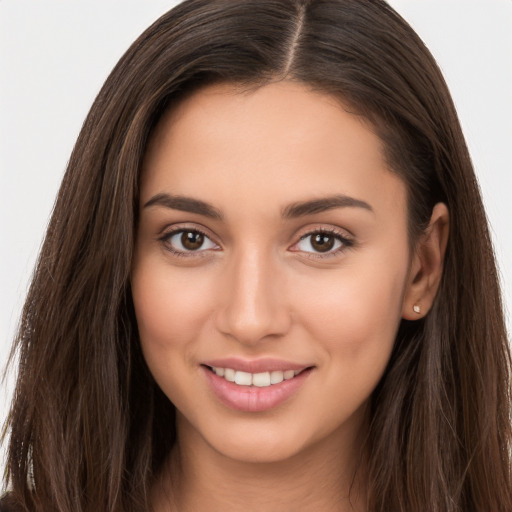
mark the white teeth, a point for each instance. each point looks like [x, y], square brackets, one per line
[243, 378]
[276, 377]
[229, 374]
[261, 380]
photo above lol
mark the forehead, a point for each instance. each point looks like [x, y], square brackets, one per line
[279, 143]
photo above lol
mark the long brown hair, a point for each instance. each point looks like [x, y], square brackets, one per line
[89, 428]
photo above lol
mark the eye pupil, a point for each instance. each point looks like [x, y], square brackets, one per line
[322, 242]
[192, 240]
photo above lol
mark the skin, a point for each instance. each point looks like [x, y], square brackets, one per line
[257, 288]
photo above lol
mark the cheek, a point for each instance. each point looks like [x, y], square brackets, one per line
[171, 309]
[356, 311]
[170, 306]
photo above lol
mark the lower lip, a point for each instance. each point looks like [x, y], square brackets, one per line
[253, 398]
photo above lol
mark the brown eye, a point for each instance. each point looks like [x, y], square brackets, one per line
[322, 242]
[186, 241]
[192, 240]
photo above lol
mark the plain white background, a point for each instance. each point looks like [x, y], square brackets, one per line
[55, 55]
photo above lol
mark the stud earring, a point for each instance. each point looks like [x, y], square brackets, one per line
[416, 308]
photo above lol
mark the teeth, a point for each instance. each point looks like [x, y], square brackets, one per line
[261, 380]
[276, 377]
[229, 374]
[243, 378]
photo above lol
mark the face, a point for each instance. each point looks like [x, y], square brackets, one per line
[270, 269]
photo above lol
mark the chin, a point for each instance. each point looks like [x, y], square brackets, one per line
[259, 450]
[267, 439]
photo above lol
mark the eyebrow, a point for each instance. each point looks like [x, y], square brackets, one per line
[301, 209]
[185, 204]
[294, 210]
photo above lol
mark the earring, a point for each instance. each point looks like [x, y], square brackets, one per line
[416, 308]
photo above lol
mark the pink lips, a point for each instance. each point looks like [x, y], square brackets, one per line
[252, 398]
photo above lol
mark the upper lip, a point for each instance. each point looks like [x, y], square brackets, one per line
[255, 365]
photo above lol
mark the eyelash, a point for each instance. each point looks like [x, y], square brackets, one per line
[345, 243]
[166, 237]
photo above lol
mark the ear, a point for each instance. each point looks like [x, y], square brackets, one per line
[426, 266]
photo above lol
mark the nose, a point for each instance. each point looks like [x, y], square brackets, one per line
[253, 304]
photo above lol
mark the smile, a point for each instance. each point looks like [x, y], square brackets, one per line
[260, 380]
[255, 391]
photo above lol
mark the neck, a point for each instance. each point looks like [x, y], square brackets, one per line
[326, 476]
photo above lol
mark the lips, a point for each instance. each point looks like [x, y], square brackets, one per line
[254, 386]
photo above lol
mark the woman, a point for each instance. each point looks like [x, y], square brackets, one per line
[268, 281]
